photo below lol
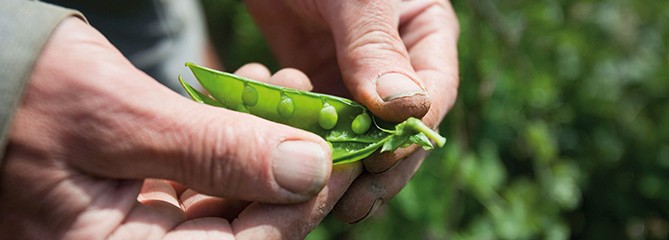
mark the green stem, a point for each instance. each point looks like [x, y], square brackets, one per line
[419, 126]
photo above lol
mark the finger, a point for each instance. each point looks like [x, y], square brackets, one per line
[157, 191]
[374, 61]
[255, 71]
[198, 205]
[370, 191]
[157, 212]
[178, 187]
[383, 162]
[202, 228]
[230, 153]
[430, 30]
[123, 124]
[212, 150]
[300, 38]
[444, 96]
[287, 77]
[148, 222]
[268, 221]
[291, 78]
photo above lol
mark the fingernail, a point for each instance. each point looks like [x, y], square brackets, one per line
[299, 166]
[373, 209]
[391, 86]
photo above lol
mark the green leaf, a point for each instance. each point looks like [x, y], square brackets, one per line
[395, 142]
[421, 140]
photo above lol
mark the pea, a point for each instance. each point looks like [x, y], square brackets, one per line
[250, 96]
[343, 123]
[241, 108]
[361, 123]
[327, 118]
[286, 107]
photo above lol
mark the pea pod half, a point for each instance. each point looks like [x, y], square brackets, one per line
[349, 128]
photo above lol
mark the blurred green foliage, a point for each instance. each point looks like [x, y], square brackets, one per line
[561, 128]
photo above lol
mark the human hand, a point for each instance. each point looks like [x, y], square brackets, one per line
[91, 128]
[398, 58]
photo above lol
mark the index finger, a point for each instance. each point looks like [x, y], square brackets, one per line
[294, 221]
[430, 33]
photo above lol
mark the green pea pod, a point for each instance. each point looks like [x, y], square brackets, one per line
[345, 124]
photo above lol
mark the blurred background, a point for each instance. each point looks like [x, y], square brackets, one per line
[561, 127]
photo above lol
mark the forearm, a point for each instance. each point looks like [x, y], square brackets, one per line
[25, 26]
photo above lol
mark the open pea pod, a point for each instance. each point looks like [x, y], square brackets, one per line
[353, 133]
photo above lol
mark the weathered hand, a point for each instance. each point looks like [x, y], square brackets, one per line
[398, 58]
[91, 128]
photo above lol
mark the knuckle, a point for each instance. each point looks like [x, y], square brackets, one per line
[232, 154]
[378, 41]
[218, 156]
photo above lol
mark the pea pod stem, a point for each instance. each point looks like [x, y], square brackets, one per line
[419, 126]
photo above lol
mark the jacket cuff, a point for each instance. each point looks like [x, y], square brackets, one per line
[25, 27]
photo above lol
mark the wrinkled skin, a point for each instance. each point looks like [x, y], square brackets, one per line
[344, 46]
[93, 135]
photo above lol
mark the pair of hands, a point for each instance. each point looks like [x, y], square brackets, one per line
[93, 134]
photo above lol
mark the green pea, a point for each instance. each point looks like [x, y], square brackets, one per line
[250, 96]
[361, 123]
[327, 118]
[241, 108]
[343, 123]
[286, 107]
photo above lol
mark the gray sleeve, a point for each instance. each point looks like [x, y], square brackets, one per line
[25, 27]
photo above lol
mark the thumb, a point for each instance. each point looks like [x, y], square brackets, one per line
[219, 152]
[248, 158]
[374, 61]
[125, 125]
